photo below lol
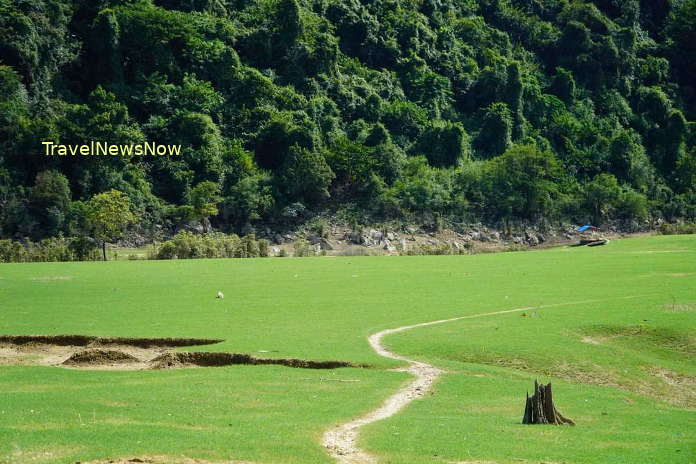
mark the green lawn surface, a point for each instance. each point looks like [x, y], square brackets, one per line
[612, 327]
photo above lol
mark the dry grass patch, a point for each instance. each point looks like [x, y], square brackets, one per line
[681, 388]
[161, 460]
[679, 307]
[39, 456]
[593, 340]
[645, 335]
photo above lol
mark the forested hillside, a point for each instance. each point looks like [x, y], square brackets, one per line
[491, 110]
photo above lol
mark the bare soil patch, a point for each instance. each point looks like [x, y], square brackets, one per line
[88, 352]
[92, 357]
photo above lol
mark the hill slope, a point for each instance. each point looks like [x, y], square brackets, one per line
[484, 110]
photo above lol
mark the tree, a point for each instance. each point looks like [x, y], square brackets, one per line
[563, 85]
[405, 121]
[674, 140]
[352, 162]
[279, 133]
[632, 205]
[682, 31]
[51, 188]
[35, 41]
[360, 88]
[445, 144]
[289, 21]
[515, 95]
[424, 189]
[108, 215]
[13, 102]
[602, 195]
[686, 172]
[628, 161]
[522, 182]
[306, 175]
[50, 199]
[204, 199]
[247, 200]
[495, 135]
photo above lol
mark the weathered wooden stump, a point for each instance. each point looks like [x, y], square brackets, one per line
[540, 409]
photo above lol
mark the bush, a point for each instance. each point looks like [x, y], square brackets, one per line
[166, 251]
[303, 249]
[84, 248]
[319, 226]
[439, 249]
[249, 247]
[264, 248]
[47, 250]
[677, 229]
[53, 250]
[12, 252]
[356, 251]
[186, 245]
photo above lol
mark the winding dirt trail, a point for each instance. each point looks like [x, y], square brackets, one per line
[341, 441]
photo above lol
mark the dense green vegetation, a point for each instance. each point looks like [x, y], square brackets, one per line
[611, 327]
[183, 245]
[492, 110]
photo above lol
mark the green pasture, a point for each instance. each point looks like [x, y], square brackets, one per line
[612, 327]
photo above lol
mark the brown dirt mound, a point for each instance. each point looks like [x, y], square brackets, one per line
[94, 357]
[208, 359]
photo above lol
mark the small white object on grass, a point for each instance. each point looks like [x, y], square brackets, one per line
[220, 295]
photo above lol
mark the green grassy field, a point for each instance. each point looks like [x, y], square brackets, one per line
[612, 327]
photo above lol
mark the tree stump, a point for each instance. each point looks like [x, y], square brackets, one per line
[540, 409]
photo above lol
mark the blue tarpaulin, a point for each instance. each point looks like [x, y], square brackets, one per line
[584, 228]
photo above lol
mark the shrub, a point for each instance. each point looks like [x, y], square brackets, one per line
[356, 251]
[84, 248]
[53, 250]
[677, 229]
[166, 251]
[250, 246]
[186, 245]
[264, 248]
[320, 227]
[439, 249]
[303, 249]
[50, 249]
[12, 252]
